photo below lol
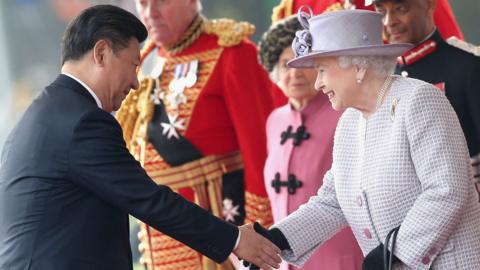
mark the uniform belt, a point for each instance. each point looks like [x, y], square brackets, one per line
[198, 171]
[204, 176]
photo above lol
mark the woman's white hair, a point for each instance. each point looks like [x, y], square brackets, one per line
[381, 65]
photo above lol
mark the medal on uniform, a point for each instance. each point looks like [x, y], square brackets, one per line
[181, 79]
[175, 98]
[191, 77]
[158, 93]
[175, 123]
[176, 83]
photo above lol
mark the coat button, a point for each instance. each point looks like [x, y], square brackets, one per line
[426, 260]
[359, 201]
[367, 234]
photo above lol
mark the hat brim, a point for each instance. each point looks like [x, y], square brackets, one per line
[307, 61]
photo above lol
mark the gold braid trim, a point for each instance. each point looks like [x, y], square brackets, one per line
[283, 10]
[174, 255]
[334, 7]
[208, 60]
[210, 55]
[134, 115]
[184, 265]
[145, 107]
[137, 109]
[128, 113]
[257, 208]
[190, 36]
[164, 253]
[229, 32]
[463, 45]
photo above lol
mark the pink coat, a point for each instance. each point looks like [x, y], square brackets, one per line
[308, 162]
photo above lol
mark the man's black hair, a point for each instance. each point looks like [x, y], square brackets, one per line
[107, 22]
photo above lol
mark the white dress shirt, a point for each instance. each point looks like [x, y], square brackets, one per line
[97, 100]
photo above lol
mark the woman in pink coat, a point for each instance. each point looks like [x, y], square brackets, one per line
[300, 143]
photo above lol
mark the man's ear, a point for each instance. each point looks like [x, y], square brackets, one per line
[100, 51]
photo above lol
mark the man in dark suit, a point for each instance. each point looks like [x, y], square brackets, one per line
[67, 181]
[454, 71]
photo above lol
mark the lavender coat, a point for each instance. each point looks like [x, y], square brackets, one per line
[308, 162]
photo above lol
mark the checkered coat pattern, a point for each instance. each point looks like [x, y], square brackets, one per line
[406, 165]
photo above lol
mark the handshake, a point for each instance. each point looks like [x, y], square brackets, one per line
[260, 252]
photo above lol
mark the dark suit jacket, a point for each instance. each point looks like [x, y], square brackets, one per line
[460, 72]
[67, 182]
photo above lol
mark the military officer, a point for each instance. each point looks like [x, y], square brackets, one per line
[454, 71]
[197, 121]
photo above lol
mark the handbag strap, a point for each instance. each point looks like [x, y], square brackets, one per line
[387, 260]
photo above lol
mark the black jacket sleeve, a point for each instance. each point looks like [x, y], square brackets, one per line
[100, 163]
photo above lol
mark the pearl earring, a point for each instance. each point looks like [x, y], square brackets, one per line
[359, 81]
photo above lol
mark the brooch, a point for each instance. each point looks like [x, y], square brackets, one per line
[394, 108]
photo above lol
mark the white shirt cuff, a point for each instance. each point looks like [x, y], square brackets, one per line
[238, 240]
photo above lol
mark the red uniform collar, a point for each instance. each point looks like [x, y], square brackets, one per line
[420, 51]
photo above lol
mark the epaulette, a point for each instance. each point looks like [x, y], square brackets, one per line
[229, 32]
[463, 45]
[335, 7]
[285, 9]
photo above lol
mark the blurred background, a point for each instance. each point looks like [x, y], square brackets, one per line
[31, 31]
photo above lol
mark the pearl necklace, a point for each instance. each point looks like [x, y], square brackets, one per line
[386, 85]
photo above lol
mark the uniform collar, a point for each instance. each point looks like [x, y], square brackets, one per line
[189, 37]
[424, 48]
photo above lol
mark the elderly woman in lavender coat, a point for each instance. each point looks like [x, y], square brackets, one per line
[300, 144]
[400, 172]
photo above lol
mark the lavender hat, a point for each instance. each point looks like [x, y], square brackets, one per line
[337, 33]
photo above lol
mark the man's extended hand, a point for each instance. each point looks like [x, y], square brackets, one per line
[273, 235]
[256, 249]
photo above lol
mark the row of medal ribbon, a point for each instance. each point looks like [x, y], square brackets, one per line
[185, 75]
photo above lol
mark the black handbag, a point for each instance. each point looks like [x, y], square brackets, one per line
[388, 256]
